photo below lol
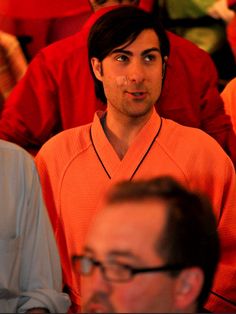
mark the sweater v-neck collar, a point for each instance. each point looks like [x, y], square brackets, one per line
[126, 168]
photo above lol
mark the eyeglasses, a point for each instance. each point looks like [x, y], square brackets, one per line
[116, 272]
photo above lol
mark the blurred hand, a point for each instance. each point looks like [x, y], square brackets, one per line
[220, 10]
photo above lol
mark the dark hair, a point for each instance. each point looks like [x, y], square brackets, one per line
[190, 237]
[117, 27]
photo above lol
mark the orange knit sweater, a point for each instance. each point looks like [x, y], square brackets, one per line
[78, 165]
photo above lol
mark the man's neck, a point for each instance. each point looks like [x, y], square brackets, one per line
[121, 134]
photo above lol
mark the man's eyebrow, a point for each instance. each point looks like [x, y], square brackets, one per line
[124, 253]
[116, 254]
[153, 49]
[120, 50]
[87, 249]
[129, 53]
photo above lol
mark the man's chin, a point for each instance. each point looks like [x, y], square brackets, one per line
[97, 308]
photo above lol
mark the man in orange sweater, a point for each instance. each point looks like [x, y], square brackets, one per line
[51, 96]
[128, 50]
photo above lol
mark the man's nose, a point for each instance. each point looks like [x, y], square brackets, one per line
[136, 72]
[99, 282]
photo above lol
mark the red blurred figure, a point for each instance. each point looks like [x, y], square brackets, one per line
[41, 22]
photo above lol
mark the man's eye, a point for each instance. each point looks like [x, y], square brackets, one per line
[118, 269]
[122, 58]
[149, 58]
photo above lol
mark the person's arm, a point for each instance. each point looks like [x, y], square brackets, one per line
[202, 5]
[13, 63]
[223, 293]
[40, 269]
[50, 179]
[229, 98]
[191, 84]
[214, 120]
[30, 113]
[220, 10]
[213, 173]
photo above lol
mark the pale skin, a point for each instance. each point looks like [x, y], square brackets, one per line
[135, 244]
[220, 10]
[132, 80]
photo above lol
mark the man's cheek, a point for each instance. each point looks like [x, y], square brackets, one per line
[122, 81]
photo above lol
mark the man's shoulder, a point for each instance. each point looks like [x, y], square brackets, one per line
[185, 66]
[11, 150]
[73, 45]
[185, 47]
[66, 144]
[16, 163]
[186, 132]
[196, 154]
[64, 56]
[230, 87]
[187, 141]
[64, 48]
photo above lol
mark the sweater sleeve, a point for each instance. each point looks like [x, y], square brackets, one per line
[212, 172]
[229, 98]
[49, 173]
[223, 293]
[214, 119]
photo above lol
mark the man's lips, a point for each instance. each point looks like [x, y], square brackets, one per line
[136, 94]
[97, 308]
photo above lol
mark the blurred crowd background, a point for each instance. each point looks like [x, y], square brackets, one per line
[31, 25]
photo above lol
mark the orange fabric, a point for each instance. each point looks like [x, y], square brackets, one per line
[229, 97]
[74, 182]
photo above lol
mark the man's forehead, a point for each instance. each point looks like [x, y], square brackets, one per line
[128, 215]
[120, 229]
[114, 253]
[133, 206]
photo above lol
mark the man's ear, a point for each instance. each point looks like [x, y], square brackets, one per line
[97, 68]
[165, 59]
[188, 288]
